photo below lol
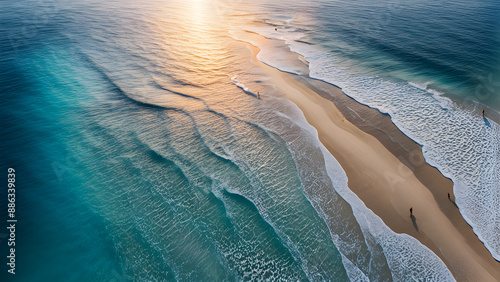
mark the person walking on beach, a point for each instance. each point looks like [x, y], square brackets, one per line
[258, 95]
[411, 211]
[449, 196]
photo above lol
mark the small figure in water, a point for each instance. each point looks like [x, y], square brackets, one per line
[258, 95]
[276, 28]
[449, 196]
[411, 210]
[483, 113]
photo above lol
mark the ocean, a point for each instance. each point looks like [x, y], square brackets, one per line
[141, 153]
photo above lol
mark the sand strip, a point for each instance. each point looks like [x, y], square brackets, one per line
[386, 170]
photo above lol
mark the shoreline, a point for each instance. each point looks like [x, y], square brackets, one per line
[387, 171]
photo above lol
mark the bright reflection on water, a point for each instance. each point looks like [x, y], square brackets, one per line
[195, 37]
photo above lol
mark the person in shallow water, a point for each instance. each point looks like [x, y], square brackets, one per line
[483, 113]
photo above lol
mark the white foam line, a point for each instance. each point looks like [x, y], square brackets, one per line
[242, 86]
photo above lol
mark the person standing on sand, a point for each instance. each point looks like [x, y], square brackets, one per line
[258, 95]
[449, 196]
[411, 211]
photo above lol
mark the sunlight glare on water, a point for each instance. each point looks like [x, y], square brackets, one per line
[194, 35]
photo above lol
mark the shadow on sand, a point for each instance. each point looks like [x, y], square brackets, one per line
[453, 202]
[414, 221]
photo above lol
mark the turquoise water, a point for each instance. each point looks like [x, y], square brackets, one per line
[138, 158]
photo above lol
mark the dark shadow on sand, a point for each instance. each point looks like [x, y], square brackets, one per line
[414, 221]
[453, 202]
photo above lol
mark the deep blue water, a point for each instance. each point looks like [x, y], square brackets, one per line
[137, 158]
[452, 45]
